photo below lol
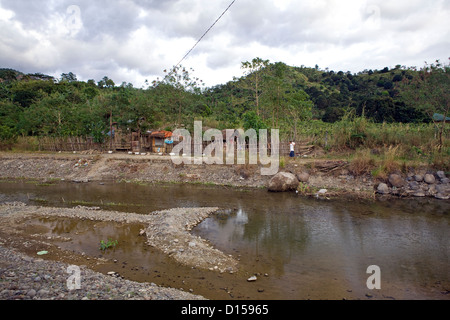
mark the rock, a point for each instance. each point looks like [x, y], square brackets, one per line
[43, 292]
[31, 293]
[383, 188]
[445, 181]
[442, 196]
[321, 191]
[418, 177]
[414, 185]
[419, 194]
[442, 188]
[432, 189]
[192, 244]
[283, 181]
[429, 178]
[396, 180]
[441, 174]
[303, 176]
[252, 278]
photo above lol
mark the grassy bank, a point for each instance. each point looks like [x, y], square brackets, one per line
[379, 148]
[375, 148]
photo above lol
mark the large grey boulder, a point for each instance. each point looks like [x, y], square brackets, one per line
[414, 185]
[429, 178]
[283, 181]
[383, 188]
[396, 180]
[441, 175]
[303, 176]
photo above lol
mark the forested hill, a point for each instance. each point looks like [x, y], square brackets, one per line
[271, 95]
[381, 95]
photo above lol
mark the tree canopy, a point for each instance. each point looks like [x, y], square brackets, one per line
[267, 95]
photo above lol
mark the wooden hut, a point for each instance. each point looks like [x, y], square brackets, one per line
[158, 141]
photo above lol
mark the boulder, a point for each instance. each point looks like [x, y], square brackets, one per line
[283, 181]
[429, 178]
[442, 196]
[396, 180]
[418, 177]
[441, 175]
[414, 185]
[303, 176]
[383, 188]
[442, 188]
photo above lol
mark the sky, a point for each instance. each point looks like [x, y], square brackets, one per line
[135, 40]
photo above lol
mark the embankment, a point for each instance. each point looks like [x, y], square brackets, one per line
[335, 176]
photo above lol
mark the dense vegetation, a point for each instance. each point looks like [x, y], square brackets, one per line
[373, 108]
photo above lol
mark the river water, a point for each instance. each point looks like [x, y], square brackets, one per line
[298, 248]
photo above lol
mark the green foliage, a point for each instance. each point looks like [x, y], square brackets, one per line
[253, 121]
[349, 110]
[104, 245]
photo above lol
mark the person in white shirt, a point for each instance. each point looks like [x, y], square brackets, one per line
[291, 149]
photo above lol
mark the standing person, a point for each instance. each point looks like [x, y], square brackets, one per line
[291, 149]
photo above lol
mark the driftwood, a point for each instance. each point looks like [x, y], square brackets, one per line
[330, 166]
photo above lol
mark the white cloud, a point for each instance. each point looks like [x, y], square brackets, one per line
[136, 40]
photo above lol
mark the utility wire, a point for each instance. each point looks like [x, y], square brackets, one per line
[201, 38]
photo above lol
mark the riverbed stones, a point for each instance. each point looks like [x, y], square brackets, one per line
[168, 230]
[414, 185]
[53, 284]
[441, 175]
[162, 228]
[383, 188]
[418, 177]
[396, 180]
[442, 196]
[303, 177]
[283, 181]
[429, 178]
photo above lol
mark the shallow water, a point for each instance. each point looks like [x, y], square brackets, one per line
[298, 248]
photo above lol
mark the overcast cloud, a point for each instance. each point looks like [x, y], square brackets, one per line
[134, 40]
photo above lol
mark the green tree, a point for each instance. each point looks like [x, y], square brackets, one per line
[429, 91]
[253, 72]
[69, 77]
[178, 89]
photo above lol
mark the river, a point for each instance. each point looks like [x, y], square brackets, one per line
[298, 248]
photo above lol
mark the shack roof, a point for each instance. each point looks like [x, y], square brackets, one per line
[161, 134]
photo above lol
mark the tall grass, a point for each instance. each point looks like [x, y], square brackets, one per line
[368, 143]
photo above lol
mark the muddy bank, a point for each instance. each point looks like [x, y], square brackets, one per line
[334, 176]
[24, 277]
[150, 168]
[167, 231]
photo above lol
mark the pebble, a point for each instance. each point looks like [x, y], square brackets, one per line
[31, 293]
[52, 285]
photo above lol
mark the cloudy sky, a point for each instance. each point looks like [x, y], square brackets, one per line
[134, 40]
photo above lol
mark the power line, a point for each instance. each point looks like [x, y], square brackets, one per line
[201, 38]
